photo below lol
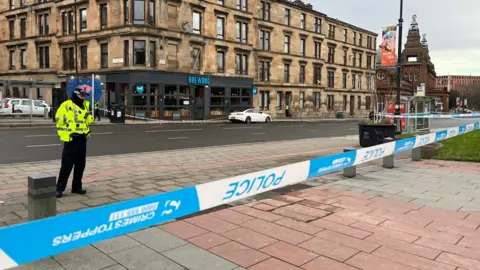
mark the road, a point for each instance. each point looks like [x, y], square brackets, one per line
[39, 144]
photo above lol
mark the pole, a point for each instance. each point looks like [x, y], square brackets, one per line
[31, 106]
[399, 68]
[76, 41]
[93, 94]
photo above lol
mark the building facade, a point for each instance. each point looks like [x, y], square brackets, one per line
[192, 59]
[458, 82]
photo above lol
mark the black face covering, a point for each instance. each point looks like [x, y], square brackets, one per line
[78, 101]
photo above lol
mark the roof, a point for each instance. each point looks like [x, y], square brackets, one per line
[337, 21]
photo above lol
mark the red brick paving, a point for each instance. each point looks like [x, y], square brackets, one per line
[334, 229]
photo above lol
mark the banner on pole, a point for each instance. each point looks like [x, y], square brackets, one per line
[389, 35]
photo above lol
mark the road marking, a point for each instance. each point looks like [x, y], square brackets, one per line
[54, 135]
[293, 126]
[313, 130]
[43, 145]
[242, 128]
[174, 130]
[178, 138]
[101, 133]
[259, 133]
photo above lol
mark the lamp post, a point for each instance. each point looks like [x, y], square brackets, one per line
[399, 69]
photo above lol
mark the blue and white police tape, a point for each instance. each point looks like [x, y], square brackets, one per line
[167, 121]
[31, 241]
[443, 116]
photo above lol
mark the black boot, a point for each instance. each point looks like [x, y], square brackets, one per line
[59, 195]
[80, 191]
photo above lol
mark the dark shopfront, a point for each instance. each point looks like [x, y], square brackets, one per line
[163, 95]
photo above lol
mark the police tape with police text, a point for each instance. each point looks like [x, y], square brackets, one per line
[31, 241]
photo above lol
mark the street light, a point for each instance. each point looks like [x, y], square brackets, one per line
[399, 69]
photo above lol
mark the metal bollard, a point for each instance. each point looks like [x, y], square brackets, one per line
[417, 154]
[351, 171]
[45, 113]
[42, 202]
[388, 161]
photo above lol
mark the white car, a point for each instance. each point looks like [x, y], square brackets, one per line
[249, 116]
[13, 106]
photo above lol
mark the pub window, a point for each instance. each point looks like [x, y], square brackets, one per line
[330, 102]
[302, 100]
[126, 54]
[242, 5]
[265, 71]
[317, 75]
[264, 100]
[83, 57]
[197, 59]
[151, 12]
[242, 31]
[241, 63]
[264, 40]
[220, 27]
[197, 22]
[331, 78]
[12, 60]
[286, 44]
[317, 45]
[139, 11]
[153, 54]
[83, 20]
[287, 16]
[264, 11]
[103, 16]
[241, 98]
[316, 100]
[23, 28]
[139, 52]
[23, 58]
[43, 56]
[217, 101]
[286, 73]
[125, 11]
[220, 61]
[302, 73]
[104, 55]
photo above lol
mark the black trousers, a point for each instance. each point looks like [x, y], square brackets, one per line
[74, 154]
[97, 114]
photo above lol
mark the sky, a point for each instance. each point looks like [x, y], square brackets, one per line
[452, 27]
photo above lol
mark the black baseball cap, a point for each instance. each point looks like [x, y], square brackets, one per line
[79, 91]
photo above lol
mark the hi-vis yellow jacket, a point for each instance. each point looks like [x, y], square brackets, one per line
[72, 119]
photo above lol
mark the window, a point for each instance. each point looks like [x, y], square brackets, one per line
[369, 42]
[286, 44]
[264, 100]
[220, 27]
[70, 22]
[11, 26]
[65, 23]
[126, 54]
[242, 5]
[369, 61]
[359, 102]
[242, 30]
[264, 71]
[345, 101]
[241, 61]
[317, 75]
[23, 28]
[331, 78]
[303, 20]
[139, 52]
[43, 56]
[331, 55]
[368, 102]
[197, 56]
[354, 59]
[345, 57]
[318, 49]
[23, 58]
[330, 102]
[139, 11]
[83, 57]
[287, 16]
[12, 4]
[344, 80]
[103, 16]
[345, 35]
[316, 100]
[354, 81]
[369, 82]
[286, 73]
[23, 3]
[83, 20]
[153, 54]
[264, 40]
[197, 22]
[125, 11]
[43, 20]
[104, 55]
[302, 73]
[359, 79]
[220, 61]
[151, 12]
[302, 47]
[12, 60]
[318, 25]
[68, 58]
[360, 56]
[354, 38]
[360, 40]
[279, 100]
[331, 31]
[302, 100]
[264, 11]
[220, 2]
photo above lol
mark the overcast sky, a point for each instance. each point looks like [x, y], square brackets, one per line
[452, 27]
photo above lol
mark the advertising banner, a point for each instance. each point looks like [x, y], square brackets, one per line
[389, 35]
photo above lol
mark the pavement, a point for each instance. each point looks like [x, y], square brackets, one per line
[39, 144]
[418, 215]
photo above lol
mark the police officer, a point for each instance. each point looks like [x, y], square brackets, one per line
[73, 120]
[97, 110]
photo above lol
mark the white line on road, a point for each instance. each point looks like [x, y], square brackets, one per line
[43, 145]
[178, 138]
[313, 130]
[292, 126]
[259, 133]
[174, 130]
[54, 135]
[242, 128]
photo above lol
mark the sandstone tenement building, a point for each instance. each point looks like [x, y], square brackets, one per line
[193, 59]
